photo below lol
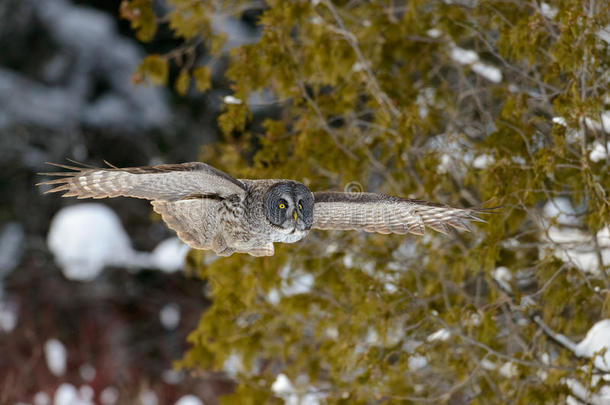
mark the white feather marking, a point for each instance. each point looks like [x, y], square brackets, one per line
[96, 176]
[122, 181]
[83, 182]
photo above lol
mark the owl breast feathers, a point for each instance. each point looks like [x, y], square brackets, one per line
[209, 209]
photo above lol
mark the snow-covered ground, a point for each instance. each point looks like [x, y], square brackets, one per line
[84, 238]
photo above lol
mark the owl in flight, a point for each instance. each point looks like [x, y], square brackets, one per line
[209, 209]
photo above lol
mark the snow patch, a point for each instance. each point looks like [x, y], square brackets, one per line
[67, 394]
[42, 398]
[444, 165]
[331, 248]
[172, 377]
[577, 248]
[604, 34]
[434, 33]
[548, 11]
[475, 319]
[148, 397]
[508, 370]
[596, 125]
[560, 121]
[233, 365]
[232, 100]
[572, 245]
[599, 152]
[491, 73]
[189, 400]
[109, 396]
[86, 237]
[596, 340]
[316, 20]
[332, 332]
[274, 296]
[488, 364]
[358, 67]
[483, 161]
[595, 345]
[87, 372]
[463, 56]
[283, 388]
[282, 385]
[56, 356]
[390, 288]
[562, 211]
[503, 276]
[372, 337]
[295, 282]
[605, 117]
[8, 314]
[170, 316]
[348, 260]
[86, 392]
[417, 362]
[169, 255]
[424, 100]
[602, 397]
[440, 335]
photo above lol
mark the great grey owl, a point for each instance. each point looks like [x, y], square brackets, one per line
[211, 210]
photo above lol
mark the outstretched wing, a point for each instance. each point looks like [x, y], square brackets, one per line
[164, 182]
[385, 214]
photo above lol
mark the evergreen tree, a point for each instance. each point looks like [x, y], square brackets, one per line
[463, 102]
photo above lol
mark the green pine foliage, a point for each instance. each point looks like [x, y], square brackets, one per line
[374, 94]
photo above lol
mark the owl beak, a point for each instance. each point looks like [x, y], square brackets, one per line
[294, 214]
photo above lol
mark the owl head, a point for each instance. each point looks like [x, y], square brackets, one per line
[289, 205]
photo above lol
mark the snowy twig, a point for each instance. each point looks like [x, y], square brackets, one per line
[557, 337]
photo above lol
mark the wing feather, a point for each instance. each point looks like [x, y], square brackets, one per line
[163, 182]
[380, 213]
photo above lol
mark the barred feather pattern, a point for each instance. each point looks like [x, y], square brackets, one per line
[385, 214]
[196, 221]
[162, 182]
[209, 209]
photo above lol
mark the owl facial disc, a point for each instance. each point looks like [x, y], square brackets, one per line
[289, 205]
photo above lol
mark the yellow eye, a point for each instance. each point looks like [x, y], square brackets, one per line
[300, 206]
[282, 206]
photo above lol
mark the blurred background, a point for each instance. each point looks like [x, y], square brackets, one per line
[459, 102]
[66, 92]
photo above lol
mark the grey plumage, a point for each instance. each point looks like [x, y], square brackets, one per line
[164, 182]
[380, 213]
[209, 209]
